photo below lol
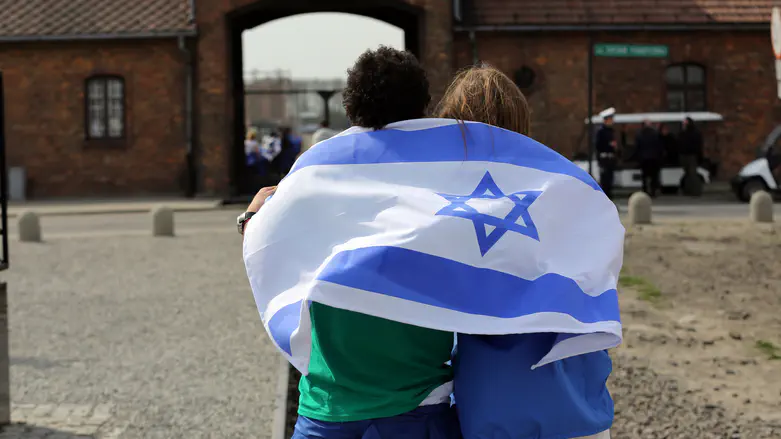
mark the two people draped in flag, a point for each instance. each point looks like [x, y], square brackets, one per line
[439, 277]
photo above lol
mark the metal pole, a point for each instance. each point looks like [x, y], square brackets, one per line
[3, 184]
[590, 88]
[326, 95]
[189, 68]
[5, 384]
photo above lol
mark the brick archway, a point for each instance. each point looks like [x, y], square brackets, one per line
[219, 90]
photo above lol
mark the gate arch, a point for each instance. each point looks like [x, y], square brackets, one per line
[427, 26]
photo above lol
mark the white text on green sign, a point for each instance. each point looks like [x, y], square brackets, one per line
[631, 50]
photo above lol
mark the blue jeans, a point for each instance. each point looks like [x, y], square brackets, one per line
[427, 422]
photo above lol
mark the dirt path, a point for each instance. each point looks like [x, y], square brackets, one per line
[701, 304]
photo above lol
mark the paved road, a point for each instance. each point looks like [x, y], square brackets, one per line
[191, 223]
[187, 223]
[135, 336]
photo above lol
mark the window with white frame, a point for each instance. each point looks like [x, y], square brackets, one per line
[105, 102]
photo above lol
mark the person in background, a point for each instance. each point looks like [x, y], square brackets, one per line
[289, 151]
[252, 148]
[669, 144]
[607, 150]
[297, 142]
[691, 151]
[270, 147]
[322, 133]
[649, 152]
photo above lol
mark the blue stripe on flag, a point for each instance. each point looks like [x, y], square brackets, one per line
[442, 144]
[444, 283]
[282, 324]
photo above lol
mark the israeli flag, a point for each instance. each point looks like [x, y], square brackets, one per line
[453, 226]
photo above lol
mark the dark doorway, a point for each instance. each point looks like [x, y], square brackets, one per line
[395, 12]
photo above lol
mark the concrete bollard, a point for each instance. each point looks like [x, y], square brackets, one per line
[639, 208]
[761, 207]
[162, 221]
[29, 227]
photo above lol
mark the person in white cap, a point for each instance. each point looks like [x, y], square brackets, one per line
[607, 147]
[323, 133]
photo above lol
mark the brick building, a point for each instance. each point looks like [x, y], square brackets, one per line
[271, 108]
[121, 98]
[720, 59]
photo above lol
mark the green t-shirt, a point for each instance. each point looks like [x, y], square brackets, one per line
[365, 367]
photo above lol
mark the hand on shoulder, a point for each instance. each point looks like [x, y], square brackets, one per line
[260, 198]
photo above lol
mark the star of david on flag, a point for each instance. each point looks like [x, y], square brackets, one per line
[387, 204]
[490, 229]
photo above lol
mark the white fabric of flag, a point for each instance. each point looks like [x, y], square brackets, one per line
[460, 227]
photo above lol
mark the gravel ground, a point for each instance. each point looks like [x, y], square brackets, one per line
[166, 330]
[651, 406]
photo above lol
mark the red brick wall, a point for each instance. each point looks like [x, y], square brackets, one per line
[215, 100]
[558, 100]
[44, 95]
[739, 75]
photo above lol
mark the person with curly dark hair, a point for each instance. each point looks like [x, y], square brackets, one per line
[385, 86]
[370, 377]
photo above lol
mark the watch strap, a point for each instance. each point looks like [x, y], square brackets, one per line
[245, 219]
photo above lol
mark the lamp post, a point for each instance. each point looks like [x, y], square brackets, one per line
[326, 95]
[590, 91]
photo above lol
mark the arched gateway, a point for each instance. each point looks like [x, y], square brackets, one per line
[219, 94]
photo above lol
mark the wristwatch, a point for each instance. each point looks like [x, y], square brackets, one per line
[241, 221]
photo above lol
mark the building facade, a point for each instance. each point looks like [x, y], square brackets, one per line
[150, 101]
[719, 59]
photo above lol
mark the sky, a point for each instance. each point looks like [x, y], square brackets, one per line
[319, 45]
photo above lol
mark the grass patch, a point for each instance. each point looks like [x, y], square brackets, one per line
[772, 351]
[646, 289]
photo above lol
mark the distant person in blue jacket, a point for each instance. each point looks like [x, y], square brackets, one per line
[252, 153]
[291, 147]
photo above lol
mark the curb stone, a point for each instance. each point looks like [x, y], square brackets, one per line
[109, 209]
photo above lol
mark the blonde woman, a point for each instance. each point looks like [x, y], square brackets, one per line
[497, 389]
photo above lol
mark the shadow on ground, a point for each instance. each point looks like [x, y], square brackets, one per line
[29, 431]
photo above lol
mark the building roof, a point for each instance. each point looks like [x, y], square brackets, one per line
[84, 19]
[606, 12]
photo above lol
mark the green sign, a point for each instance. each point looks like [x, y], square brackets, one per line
[631, 50]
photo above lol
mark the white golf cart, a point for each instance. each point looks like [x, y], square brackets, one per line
[627, 174]
[762, 174]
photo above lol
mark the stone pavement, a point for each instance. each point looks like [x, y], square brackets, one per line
[110, 206]
[63, 421]
[164, 331]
